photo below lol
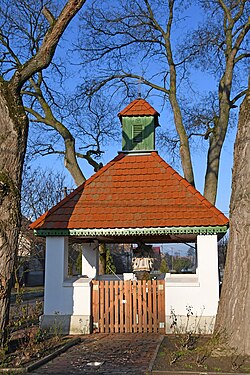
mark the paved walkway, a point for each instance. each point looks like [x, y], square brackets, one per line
[125, 353]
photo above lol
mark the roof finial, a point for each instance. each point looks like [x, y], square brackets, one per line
[139, 87]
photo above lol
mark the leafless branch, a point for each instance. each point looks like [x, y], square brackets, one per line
[48, 15]
[45, 53]
[237, 97]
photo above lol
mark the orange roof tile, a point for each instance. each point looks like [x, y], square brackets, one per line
[133, 191]
[139, 107]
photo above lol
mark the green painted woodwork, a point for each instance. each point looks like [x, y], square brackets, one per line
[138, 133]
[130, 231]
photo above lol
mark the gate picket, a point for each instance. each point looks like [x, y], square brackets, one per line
[112, 305]
[149, 306]
[134, 315]
[128, 306]
[155, 307]
[121, 312]
[95, 305]
[117, 306]
[106, 308]
[139, 311]
[144, 307]
[161, 306]
[102, 321]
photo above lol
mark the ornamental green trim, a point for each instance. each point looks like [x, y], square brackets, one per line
[116, 232]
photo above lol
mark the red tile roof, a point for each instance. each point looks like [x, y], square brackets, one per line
[133, 191]
[139, 107]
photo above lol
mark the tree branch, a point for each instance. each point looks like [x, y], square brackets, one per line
[37, 115]
[242, 56]
[43, 57]
[153, 19]
[102, 83]
[240, 12]
[90, 160]
[48, 15]
[237, 97]
[242, 34]
[5, 42]
[226, 11]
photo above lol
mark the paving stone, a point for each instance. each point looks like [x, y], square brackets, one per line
[127, 353]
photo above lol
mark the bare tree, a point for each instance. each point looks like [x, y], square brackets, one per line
[14, 122]
[41, 189]
[31, 251]
[222, 49]
[136, 40]
[234, 306]
[132, 29]
[76, 128]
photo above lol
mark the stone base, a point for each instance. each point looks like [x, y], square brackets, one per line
[66, 324]
[194, 324]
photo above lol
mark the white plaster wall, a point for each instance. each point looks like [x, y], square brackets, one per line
[74, 317]
[82, 296]
[200, 291]
[208, 271]
[64, 296]
[56, 300]
[90, 259]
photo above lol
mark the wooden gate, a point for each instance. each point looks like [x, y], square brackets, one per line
[128, 306]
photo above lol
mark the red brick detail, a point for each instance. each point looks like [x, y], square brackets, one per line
[133, 191]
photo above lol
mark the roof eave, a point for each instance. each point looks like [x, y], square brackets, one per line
[116, 232]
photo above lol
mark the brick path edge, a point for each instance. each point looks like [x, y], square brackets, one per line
[53, 355]
[42, 361]
[152, 361]
[158, 372]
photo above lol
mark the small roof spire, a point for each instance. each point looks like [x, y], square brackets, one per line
[139, 87]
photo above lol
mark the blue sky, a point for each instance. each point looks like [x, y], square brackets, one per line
[200, 81]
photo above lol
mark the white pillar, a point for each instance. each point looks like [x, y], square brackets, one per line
[208, 270]
[67, 302]
[90, 259]
[56, 271]
[196, 293]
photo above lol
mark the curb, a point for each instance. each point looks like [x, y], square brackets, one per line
[42, 361]
[152, 361]
[27, 296]
[13, 370]
[158, 372]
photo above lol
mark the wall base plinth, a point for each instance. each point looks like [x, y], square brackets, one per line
[194, 324]
[66, 324]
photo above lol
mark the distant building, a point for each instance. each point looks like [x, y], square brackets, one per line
[30, 258]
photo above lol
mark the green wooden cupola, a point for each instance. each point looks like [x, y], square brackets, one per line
[139, 120]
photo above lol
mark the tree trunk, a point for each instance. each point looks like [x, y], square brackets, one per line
[184, 142]
[218, 135]
[13, 135]
[234, 306]
[102, 258]
[13, 140]
[216, 142]
[185, 155]
[71, 163]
